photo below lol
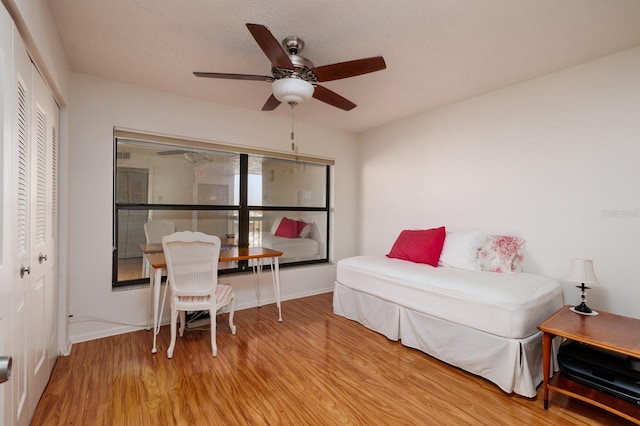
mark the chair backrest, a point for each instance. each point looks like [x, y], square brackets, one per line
[154, 230]
[192, 262]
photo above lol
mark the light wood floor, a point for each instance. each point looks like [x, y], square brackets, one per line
[315, 368]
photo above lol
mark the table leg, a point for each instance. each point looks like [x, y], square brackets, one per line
[155, 277]
[546, 367]
[150, 319]
[275, 272]
[257, 274]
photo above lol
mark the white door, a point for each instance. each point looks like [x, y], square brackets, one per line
[21, 122]
[51, 248]
[32, 278]
[41, 294]
[6, 224]
[28, 228]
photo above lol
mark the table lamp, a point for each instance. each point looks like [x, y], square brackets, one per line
[582, 272]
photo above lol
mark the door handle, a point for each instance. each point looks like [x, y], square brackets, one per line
[24, 270]
[5, 368]
[42, 257]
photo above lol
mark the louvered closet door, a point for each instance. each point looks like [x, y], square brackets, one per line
[51, 249]
[42, 293]
[21, 201]
[7, 246]
[34, 213]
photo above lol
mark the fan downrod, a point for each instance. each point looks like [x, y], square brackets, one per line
[294, 45]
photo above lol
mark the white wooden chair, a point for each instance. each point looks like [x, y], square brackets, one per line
[192, 266]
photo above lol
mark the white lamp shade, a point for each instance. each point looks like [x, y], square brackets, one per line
[582, 272]
[292, 90]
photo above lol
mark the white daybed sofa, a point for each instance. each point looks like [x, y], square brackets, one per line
[483, 322]
[291, 248]
[304, 246]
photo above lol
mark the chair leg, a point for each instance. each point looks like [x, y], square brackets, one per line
[183, 322]
[214, 347]
[174, 319]
[232, 309]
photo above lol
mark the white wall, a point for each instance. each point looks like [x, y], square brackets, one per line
[555, 160]
[97, 105]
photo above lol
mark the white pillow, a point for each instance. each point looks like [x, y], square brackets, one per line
[307, 230]
[275, 225]
[461, 250]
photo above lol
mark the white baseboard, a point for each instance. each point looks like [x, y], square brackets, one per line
[122, 329]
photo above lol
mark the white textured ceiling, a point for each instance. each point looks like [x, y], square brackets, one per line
[437, 51]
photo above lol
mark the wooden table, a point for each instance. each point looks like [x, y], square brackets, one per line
[608, 331]
[155, 256]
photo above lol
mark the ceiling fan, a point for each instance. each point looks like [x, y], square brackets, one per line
[194, 157]
[295, 78]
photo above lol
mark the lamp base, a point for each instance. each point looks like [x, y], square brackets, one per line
[580, 310]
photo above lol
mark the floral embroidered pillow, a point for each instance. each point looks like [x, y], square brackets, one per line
[502, 253]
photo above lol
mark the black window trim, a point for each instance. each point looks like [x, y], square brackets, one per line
[243, 208]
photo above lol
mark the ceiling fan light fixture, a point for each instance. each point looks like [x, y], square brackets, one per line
[292, 90]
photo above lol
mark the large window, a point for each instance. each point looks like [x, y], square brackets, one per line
[248, 198]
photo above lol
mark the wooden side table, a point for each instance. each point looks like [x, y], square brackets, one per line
[608, 331]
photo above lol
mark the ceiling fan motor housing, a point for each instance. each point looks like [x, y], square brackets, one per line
[301, 66]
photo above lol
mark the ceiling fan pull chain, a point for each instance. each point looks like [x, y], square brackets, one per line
[293, 145]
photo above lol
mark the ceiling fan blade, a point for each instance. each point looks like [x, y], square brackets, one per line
[271, 104]
[270, 46]
[233, 76]
[332, 98]
[171, 152]
[349, 68]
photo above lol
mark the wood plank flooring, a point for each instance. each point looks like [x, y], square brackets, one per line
[315, 368]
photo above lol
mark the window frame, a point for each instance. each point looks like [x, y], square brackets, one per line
[243, 208]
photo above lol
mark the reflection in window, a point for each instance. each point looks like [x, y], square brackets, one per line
[245, 199]
[292, 183]
[300, 237]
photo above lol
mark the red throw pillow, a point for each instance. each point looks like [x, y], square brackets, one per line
[420, 246]
[288, 228]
